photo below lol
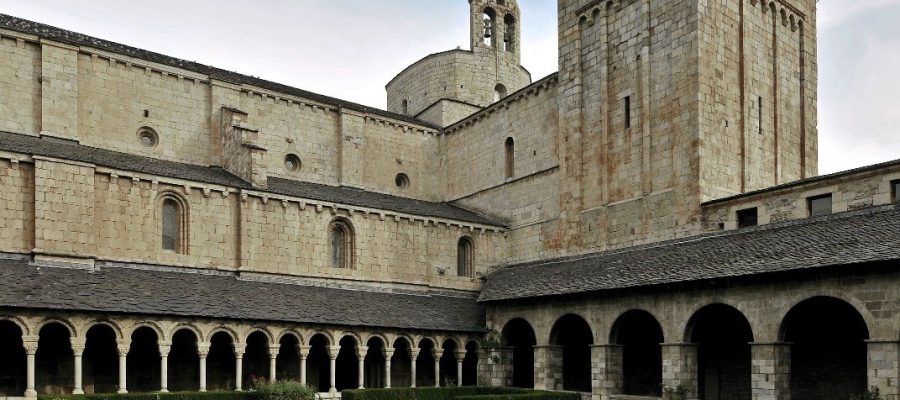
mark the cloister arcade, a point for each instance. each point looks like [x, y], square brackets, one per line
[820, 351]
[83, 354]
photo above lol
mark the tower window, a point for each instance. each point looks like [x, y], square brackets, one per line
[173, 225]
[464, 257]
[342, 243]
[500, 92]
[510, 148]
[510, 34]
[489, 18]
[627, 106]
[148, 137]
[292, 162]
[759, 113]
[819, 205]
[895, 191]
[405, 107]
[747, 218]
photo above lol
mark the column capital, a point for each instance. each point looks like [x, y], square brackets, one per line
[203, 349]
[165, 348]
[78, 346]
[333, 351]
[30, 343]
[414, 354]
[123, 347]
[239, 349]
[460, 355]
[437, 353]
[361, 352]
[388, 353]
[303, 351]
[274, 350]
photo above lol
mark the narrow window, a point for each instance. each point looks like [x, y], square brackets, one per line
[759, 113]
[627, 112]
[820, 205]
[747, 218]
[341, 238]
[510, 34]
[499, 92]
[405, 107]
[171, 225]
[895, 191]
[510, 157]
[464, 257]
[489, 18]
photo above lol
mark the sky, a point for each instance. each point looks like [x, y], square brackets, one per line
[351, 48]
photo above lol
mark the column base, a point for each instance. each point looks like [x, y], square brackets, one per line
[78, 391]
[332, 390]
[164, 391]
[122, 391]
[202, 390]
[31, 394]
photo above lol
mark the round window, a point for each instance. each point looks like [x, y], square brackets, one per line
[292, 162]
[402, 181]
[148, 137]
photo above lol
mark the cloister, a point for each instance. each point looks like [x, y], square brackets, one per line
[81, 354]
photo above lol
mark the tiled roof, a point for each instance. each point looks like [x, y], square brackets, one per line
[864, 236]
[149, 292]
[342, 195]
[73, 38]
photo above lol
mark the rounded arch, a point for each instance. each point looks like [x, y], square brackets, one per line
[465, 256]
[722, 335]
[292, 333]
[509, 154]
[187, 327]
[691, 323]
[518, 335]
[574, 335]
[328, 336]
[500, 92]
[573, 317]
[117, 329]
[857, 306]
[173, 218]
[23, 326]
[230, 332]
[640, 336]
[353, 335]
[73, 332]
[342, 242]
[426, 339]
[257, 329]
[376, 336]
[634, 312]
[457, 344]
[160, 333]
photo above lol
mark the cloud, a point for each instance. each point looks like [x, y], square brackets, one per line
[832, 13]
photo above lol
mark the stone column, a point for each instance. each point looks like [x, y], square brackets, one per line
[882, 364]
[239, 350]
[388, 353]
[413, 355]
[78, 352]
[123, 347]
[333, 352]
[460, 357]
[303, 352]
[203, 352]
[437, 353]
[361, 357]
[273, 362]
[548, 367]
[30, 343]
[770, 375]
[679, 362]
[607, 376]
[164, 349]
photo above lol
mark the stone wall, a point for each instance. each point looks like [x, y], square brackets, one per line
[20, 72]
[64, 208]
[17, 206]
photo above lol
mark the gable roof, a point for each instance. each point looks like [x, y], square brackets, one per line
[869, 235]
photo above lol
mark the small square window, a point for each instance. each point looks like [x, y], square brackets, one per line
[747, 218]
[895, 191]
[820, 205]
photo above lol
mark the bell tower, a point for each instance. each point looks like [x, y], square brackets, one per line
[495, 27]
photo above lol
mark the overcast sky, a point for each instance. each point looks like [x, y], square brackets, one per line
[351, 48]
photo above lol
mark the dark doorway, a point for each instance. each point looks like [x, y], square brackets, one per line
[723, 337]
[574, 335]
[640, 336]
[519, 335]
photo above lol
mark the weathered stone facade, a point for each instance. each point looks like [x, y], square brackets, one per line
[641, 224]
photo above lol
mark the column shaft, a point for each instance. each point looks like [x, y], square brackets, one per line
[164, 374]
[437, 372]
[362, 373]
[123, 372]
[303, 370]
[78, 375]
[272, 369]
[333, 367]
[459, 372]
[30, 391]
[203, 372]
[239, 373]
[413, 368]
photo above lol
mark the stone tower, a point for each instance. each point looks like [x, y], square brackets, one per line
[666, 104]
[445, 87]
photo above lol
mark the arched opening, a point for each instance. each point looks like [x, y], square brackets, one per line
[448, 364]
[405, 107]
[100, 363]
[509, 37]
[573, 334]
[374, 363]
[173, 226]
[401, 364]
[828, 349]
[425, 364]
[184, 362]
[220, 363]
[510, 157]
[318, 364]
[470, 365]
[519, 336]
[464, 257]
[143, 361]
[489, 21]
[640, 336]
[347, 367]
[342, 243]
[256, 359]
[287, 364]
[723, 337]
[499, 92]
[12, 369]
[55, 362]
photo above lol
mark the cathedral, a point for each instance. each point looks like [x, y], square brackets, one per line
[647, 221]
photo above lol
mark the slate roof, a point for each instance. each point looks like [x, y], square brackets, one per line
[73, 38]
[343, 195]
[147, 292]
[869, 235]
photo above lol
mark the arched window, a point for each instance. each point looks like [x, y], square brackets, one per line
[499, 92]
[510, 157]
[509, 37]
[405, 107]
[173, 223]
[490, 19]
[465, 256]
[341, 242]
